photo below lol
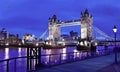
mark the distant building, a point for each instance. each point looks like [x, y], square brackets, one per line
[6, 37]
[73, 34]
[66, 37]
[28, 38]
[13, 39]
[3, 34]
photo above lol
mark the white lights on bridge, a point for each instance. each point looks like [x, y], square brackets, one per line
[46, 43]
[81, 43]
[96, 43]
[7, 44]
[19, 44]
[83, 33]
[37, 44]
[85, 42]
[63, 39]
[50, 43]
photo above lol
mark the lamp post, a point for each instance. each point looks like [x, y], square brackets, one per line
[115, 30]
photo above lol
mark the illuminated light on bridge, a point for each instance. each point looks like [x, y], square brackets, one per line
[19, 44]
[7, 44]
[96, 43]
[37, 44]
[81, 43]
[46, 43]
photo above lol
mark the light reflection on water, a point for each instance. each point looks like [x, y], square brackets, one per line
[64, 53]
[19, 52]
[6, 53]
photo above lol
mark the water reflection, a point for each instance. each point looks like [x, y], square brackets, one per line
[19, 52]
[55, 57]
[64, 54]
[6, 53]
[76, 53]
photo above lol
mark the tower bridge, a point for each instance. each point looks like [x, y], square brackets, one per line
[85, 22]
[87, 31]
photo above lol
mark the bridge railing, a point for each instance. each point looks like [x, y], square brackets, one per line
[16, 65]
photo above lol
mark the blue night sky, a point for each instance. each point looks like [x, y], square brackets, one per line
[31, 16]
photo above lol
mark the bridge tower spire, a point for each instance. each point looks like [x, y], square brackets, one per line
[86, 25]
[54, 29]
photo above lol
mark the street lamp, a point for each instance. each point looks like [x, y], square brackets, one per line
[115, 30]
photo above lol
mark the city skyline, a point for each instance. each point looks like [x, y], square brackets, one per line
[28, 16]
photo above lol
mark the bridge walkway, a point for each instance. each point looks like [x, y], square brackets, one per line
[88, 65]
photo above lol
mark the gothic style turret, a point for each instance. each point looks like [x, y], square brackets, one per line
[53, 19]
[54, 29]
[86, 25]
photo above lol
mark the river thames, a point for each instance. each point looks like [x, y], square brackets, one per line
[7, 53]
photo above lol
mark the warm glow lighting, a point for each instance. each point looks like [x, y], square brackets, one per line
[75, 50]
[50, 43]
[96, 44]
[85, 43]
[7, 44]
[63, 43]
[46, 43]
[83, 33]
[81, 43]
[19, 44]
[115, 29]
[37, 44]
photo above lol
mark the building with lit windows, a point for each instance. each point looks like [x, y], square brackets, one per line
[7, 38]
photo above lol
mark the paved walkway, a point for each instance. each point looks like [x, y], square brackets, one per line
[111, 68]
[98, 64]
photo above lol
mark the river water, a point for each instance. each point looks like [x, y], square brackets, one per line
[6, 53]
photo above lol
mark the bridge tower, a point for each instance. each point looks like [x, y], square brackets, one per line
[86, 25]
[54, 29]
